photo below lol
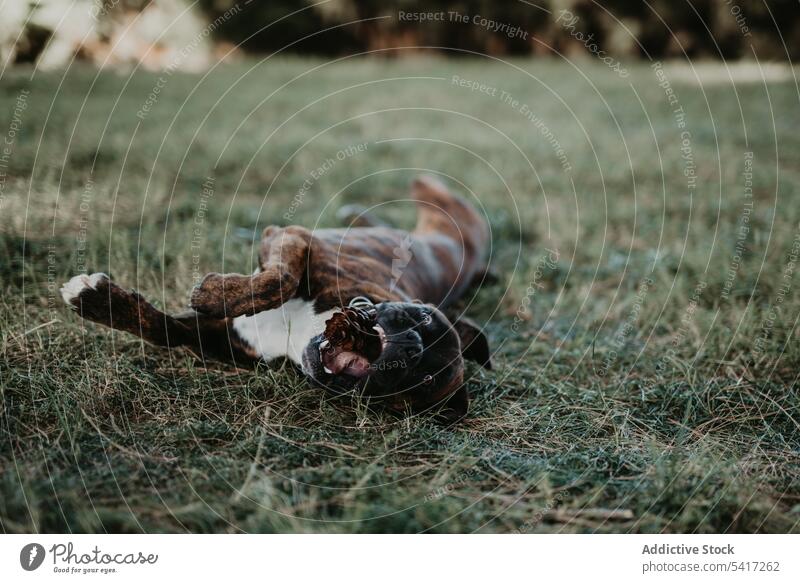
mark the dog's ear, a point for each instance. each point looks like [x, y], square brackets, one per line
[474, 344]
[454, 408]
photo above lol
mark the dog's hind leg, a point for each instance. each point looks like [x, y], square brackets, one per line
[96, 298]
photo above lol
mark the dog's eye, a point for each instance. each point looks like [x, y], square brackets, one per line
[427, 319]
[427, 380]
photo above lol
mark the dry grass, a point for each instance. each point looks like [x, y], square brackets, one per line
[611, 409]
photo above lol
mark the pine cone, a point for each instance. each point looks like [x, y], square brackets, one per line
[352, 330]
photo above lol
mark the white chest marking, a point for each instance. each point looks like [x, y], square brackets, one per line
[284, 331]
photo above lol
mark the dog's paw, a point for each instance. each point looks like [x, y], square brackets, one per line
[207, 297]
[76, 289]
[98, 299]
[92, 297]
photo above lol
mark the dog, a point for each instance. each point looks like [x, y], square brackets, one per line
[400, 282]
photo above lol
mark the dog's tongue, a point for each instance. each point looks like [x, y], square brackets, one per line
[346, 362]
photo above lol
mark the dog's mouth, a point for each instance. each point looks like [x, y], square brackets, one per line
[346, 358]
[364, 348]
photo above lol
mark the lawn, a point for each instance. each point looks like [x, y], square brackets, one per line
[645, 235]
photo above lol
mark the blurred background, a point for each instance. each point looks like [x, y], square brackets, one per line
[50, 33]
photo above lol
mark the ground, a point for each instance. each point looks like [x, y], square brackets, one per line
[644, 318]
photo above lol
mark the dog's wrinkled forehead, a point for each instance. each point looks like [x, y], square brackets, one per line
[433, 327]
[424, 325]
[413, 314]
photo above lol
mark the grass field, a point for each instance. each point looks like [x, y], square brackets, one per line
[644, 321]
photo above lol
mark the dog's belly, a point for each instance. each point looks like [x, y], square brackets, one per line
[284, 331]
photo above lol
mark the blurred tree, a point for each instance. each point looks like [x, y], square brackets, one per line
[266, 26]
[659, 28]
[51, 32]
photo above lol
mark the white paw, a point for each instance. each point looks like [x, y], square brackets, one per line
[73, 288]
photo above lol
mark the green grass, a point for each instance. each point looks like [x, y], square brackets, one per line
[614, 406]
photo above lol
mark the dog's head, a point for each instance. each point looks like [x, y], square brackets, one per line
[418, 363]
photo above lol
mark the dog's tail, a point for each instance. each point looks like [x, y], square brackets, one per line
[442, 212]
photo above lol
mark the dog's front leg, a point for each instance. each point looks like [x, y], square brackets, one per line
[98, 299]
[232, 295]
[95, 297]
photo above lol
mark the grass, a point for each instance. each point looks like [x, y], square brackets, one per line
[643, 390]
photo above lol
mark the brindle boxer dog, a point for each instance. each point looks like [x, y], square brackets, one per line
[403, 279]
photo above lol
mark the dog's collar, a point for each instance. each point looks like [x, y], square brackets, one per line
[361, 302]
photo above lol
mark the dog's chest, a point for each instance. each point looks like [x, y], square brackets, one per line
[284, 331]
